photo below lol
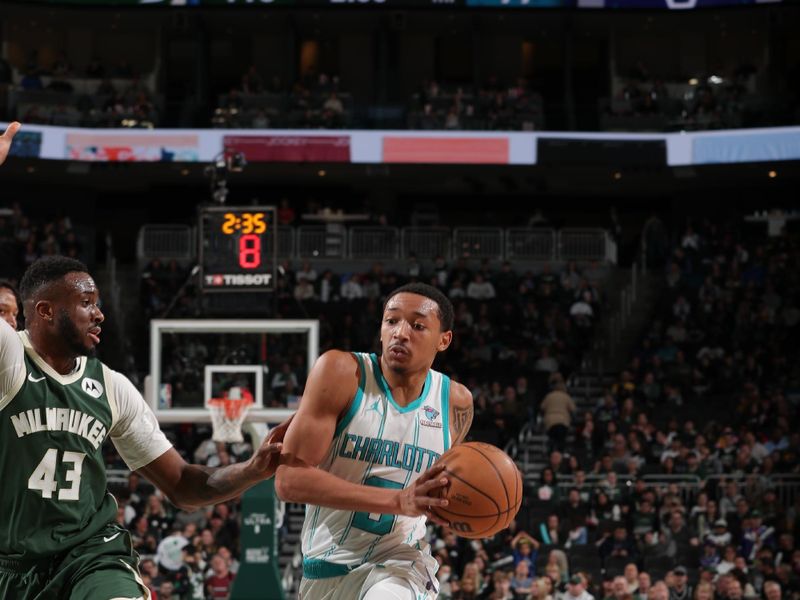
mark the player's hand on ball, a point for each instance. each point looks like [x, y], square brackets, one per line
[6, 138]
[418, 498]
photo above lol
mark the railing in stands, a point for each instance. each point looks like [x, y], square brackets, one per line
[530, 244]
[335, 241]
[478, 242]
[171, 242]
[374, 242]
[586, 244]
[426, 243]
[315, 242]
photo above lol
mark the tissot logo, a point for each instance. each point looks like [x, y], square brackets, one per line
[228, 279]
[92, 387]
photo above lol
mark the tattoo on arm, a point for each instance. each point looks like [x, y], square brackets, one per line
[462, 420]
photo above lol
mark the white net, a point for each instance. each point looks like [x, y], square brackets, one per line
[228, 414]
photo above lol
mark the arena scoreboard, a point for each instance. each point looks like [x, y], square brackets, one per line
[238, 247]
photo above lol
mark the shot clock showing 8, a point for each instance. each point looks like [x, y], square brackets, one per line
[237, 248]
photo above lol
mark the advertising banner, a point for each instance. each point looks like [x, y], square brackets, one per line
[441, 150]
[290, 148]
[27, 144]
[132, 147]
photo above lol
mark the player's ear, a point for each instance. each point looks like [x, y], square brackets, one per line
[444, 341]
[44, 310]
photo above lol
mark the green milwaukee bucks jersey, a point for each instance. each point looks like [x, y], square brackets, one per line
[51, 463]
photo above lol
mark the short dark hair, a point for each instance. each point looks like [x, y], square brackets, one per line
[445, 311]
[47, 270]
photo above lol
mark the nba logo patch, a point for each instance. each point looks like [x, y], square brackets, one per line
[430, 420]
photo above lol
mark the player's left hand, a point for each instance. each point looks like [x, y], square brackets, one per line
[6, 138]
[265, 460]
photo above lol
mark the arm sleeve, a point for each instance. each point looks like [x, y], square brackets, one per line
[135, 431]
[12, 363]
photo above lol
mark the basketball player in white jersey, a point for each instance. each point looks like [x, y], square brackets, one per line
[360, 451]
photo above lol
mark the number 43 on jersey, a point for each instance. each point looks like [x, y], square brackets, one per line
[43, 477]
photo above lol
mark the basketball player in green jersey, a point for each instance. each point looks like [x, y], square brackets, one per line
[59, 539]
[360, 451]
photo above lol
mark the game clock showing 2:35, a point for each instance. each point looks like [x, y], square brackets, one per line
[237, 248]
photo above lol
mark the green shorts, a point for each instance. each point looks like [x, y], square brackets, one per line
[104, 567]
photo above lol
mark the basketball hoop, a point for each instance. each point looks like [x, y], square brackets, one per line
[228, 414]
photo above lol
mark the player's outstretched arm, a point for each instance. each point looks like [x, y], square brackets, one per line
[331, 386]
[461, 412]
[193, 486]
[6, 139]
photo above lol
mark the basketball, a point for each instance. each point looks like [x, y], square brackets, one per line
[484, 490]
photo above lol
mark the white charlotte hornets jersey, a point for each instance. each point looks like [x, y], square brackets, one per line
[377, 443]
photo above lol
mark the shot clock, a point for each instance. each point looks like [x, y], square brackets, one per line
[237, 248]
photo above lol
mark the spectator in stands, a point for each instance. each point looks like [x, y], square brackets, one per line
[719, 536]
[525, 548]
[734, 589]
[304, 290]
[643, 587]
[557, 409]
[260, 120]
[169, 555]
[9, 303]
[522, 581]
[619, 589]
[480, 288]
[704, 591]
[710, 557]
[631, 575]
[576, 589]
[772, 590]
[546, 363]
[680, 589]
[158, 521]
[351, 288]
[574, 514]
[659, 591]
[617, 544]
[218, 584]
[333, 105]
[548, 486]
[552, 532]
[728, 562]
[678, 535]
[756, 536]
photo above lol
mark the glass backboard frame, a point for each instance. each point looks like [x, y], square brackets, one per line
[158, 327]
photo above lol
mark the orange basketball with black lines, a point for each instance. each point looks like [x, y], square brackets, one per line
[484, 490]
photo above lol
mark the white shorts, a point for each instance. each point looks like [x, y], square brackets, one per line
[390, 580]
